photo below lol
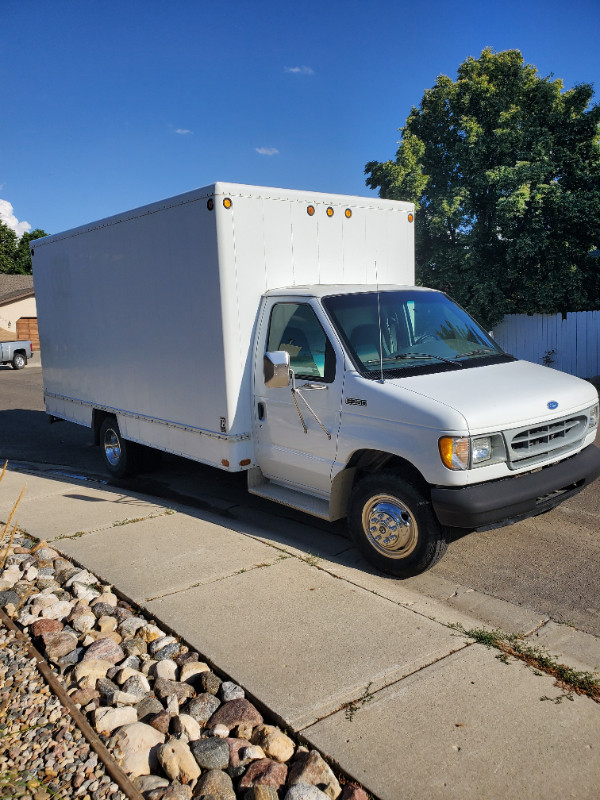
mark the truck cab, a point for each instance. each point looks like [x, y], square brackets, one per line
[390, 405]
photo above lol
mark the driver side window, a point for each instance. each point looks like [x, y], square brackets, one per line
[294, 327]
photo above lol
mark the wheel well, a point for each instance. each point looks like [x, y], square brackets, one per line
[369, 461]
[98, 418]
[365, 462]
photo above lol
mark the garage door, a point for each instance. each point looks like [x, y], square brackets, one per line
[27, 328]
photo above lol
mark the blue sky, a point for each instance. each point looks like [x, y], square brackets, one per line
[111, 104]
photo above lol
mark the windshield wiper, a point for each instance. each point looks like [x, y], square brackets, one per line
[408, 356]
[483, 351]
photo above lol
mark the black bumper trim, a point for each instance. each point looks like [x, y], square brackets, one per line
[517, 497]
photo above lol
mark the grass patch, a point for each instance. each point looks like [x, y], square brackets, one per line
[570, 680]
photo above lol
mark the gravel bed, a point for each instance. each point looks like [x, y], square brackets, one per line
[174, 727]
[43, 754]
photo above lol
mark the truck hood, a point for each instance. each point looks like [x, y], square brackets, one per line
[504, 396]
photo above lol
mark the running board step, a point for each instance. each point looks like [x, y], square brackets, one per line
[263, 487]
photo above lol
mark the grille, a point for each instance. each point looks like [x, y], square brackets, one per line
[530, 446]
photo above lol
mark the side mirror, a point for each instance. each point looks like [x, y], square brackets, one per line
[276, 366]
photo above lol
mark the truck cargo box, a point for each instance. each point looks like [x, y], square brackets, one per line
[149, 315]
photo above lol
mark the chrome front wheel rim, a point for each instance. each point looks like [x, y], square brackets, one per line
[390, 527]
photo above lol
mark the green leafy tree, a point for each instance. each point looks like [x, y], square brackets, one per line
[23, 251]
[504, 167]
[15, 253]
[8, 246]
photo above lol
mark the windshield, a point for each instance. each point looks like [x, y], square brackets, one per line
[409, 330]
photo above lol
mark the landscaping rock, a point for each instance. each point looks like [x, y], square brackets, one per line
[107, 719]
[202, 707]
[274, 742]
[216, 785]
[104, 650]
[264, 772]
[177, 761]
[236, 712]
[312, 769]
[211, 753]
[134, 747]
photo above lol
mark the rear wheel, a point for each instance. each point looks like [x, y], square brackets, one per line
[19, 361]
[120, 456]
[394, 526]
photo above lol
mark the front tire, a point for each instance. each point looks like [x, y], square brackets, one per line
[393, 525]
[119, 455]
[19, 361]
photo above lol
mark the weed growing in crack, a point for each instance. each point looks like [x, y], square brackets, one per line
[311, 560]
[121, 522]
[570, 680]
[350, 709]
[75, 535]
[559, 699]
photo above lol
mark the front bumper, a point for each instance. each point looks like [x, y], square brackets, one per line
[520, 496]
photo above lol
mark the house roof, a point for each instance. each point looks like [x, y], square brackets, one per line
[15, 287]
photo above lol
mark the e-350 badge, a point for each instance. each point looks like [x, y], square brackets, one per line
[355, 401]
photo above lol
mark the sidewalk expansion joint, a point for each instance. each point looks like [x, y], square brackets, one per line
[262, 565]
[538, 627]
[117, 524]
[351, 707]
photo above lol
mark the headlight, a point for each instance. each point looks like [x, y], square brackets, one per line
[481, 450]
[593, 420]
[464, 452]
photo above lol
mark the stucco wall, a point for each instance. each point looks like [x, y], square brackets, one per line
[11, 312]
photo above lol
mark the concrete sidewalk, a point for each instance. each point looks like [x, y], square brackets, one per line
[365, 669]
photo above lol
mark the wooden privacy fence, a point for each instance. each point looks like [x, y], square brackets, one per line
[571, 344]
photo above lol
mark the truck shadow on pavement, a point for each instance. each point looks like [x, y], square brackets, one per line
[65, 453]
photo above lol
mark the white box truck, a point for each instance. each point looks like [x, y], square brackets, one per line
[280, 332]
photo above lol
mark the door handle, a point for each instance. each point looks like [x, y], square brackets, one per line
[261, 411]
[313, 386]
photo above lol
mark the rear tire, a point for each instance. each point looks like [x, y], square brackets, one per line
[19, 361]
[393, 525]
[119, 455]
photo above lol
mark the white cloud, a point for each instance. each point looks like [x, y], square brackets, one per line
[300, 70]
[183, 131]
[267, 151]
[8, 218]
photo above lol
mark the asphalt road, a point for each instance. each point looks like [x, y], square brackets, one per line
[549, 564]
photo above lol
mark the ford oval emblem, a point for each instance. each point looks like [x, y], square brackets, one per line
[552, 404]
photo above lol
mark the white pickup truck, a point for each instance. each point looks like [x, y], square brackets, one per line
[16, 353]
[281, 333]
